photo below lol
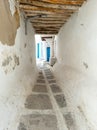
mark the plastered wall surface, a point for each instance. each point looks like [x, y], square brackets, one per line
[76, 67]
[17, 74]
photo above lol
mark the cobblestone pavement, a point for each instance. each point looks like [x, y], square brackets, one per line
[47, 104]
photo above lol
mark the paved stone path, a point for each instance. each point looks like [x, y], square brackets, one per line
[46, 103]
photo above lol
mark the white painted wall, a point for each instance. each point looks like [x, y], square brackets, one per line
[17, 75]
[76, 67]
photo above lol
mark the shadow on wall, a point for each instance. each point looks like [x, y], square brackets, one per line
[8, 23]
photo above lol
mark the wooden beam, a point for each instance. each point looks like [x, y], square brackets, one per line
[28, 14]
[48, 5]
[47, 22]
[50, 19]
[47, 25]
[31, 12]
[57, 12]
[46, 32]
[62, 2]
[44, 9]
[47, 28]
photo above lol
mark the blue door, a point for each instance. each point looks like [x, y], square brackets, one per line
[38, 50]
[48, 53]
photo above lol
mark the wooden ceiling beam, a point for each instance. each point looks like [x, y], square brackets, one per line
[61, 2]
[46, 32]
[48, 16]
[29, 14]
[48, 22]
[44, 9]
[67, 2]
[47, 28]
[48, 5]
[50, 19]
[46, 25]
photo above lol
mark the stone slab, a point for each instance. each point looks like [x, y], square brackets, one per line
[40, 77]
[40, 72]
[69, 121]
[61, 100]
[55, 88]
[50, 77]
[22, 126]
[47, 75]
[47, 70]
[40, 81]
[38, 101]
[51, 81]
[39, 122]
[40, 88]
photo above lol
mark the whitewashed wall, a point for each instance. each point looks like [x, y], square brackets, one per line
[76, 67]
[17, 75]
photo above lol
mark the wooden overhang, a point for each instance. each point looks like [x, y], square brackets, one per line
[48, 16]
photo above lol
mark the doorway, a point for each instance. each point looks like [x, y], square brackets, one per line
[48, 53]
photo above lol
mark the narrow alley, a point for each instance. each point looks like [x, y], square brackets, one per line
[48, 64]
[47, 104]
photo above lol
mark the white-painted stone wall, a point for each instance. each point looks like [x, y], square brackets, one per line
[17, 75]
[76, 67]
